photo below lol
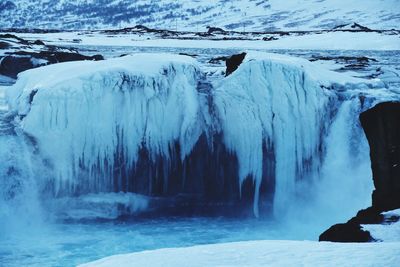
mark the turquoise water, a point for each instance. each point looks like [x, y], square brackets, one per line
[76, 243]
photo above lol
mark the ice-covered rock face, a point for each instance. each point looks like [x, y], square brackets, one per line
[88, 119]
[152, 124]
[281, 112]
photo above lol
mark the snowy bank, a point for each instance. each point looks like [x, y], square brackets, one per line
[263, 253]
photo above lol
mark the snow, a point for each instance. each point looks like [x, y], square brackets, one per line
[85, 111]
[241, 15]
[323, 41]
[263, 253]
[387, 231]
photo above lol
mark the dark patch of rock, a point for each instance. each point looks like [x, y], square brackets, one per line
[4, 45]
[355, 27]
[10, 66]
[346, 232]
[233, 63]
[370, 215]
[20, 61]
[189, 55]
[382, 127]
[211, 30]
[38, 42]
[270, 38]
[16, 38]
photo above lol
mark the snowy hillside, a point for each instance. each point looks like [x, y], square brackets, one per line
[259, 15]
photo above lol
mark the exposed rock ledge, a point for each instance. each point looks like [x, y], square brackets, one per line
[382, 128]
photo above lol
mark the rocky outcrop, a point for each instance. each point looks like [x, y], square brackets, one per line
[382, 128]
[346, 232]
[233, 63]
[26, 55]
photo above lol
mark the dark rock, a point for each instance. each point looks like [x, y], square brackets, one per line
[346, 232]
[189, 55]
[355, 27]
[352, 231]
[382, 128]
[30, 30]
[270, 38]
[381, 125]
[233, 63]
[140, 29]
[4, 45]
[10, 66]
[38, 42]
[370, 215]
[20, 61]
[16, 38]
[211, 30]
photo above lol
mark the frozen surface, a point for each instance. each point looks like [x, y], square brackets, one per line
[263, 253]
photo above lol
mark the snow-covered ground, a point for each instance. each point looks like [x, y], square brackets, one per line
[275, 253]
[263, 253]
[323, 41]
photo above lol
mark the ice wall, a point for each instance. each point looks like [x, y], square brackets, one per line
[87, 118]
[283, 106]
[152, 124]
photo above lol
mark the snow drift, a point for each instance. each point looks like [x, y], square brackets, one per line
[262, 253]
[152, 124]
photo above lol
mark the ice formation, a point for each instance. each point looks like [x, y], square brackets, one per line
[92, 121]
[89, 115]
[280, 105]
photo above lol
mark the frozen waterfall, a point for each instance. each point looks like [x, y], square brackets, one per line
[145, 124]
